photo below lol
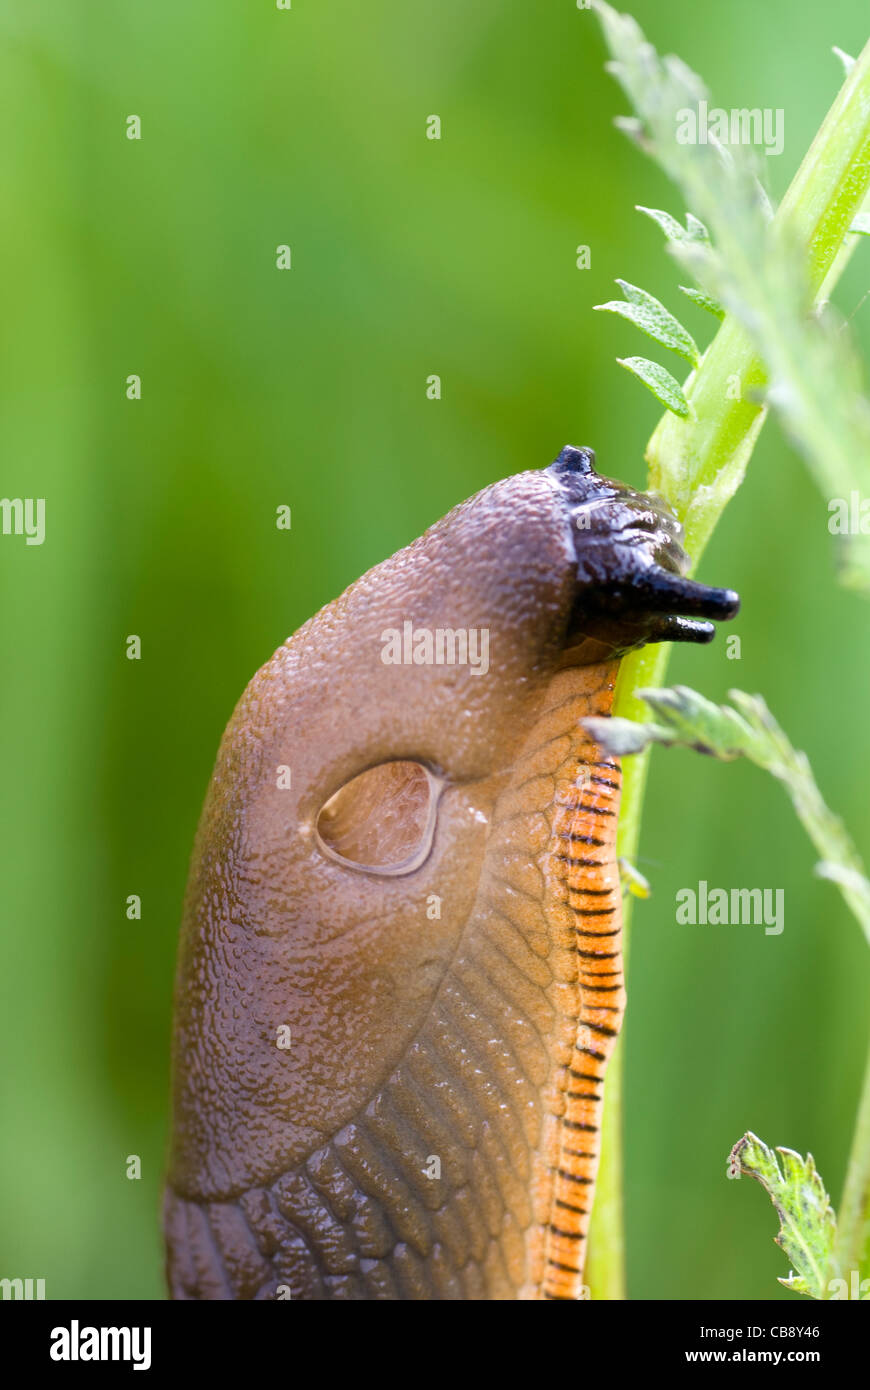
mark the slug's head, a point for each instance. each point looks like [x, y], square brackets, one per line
[630, 584]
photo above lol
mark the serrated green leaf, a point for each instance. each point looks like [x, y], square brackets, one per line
[652, 318]
[704, 301]
[693, 232]
[807, 1223]
[664, 387]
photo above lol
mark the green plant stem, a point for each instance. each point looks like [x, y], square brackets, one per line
[687, 460]
[852, 1245]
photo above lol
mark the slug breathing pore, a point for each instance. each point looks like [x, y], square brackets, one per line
[400, 969]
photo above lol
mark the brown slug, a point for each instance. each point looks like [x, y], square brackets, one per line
[400, 974]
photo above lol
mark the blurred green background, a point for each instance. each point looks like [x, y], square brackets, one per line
[307, 387]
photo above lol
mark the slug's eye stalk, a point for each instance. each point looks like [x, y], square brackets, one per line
[671, 592]
[574, 460]
[631, 567]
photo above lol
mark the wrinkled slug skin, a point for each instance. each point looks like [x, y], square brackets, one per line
[478, 1038]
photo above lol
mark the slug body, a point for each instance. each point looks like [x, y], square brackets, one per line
[400, 972]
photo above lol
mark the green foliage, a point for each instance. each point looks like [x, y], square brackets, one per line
[807, 1226]
[665, 388]
[757, 267]
[704, 301]
[649, 315]
[694, 230]
[652, 318]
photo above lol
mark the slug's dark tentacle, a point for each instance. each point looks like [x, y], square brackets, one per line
[671, 629]
[666, 592]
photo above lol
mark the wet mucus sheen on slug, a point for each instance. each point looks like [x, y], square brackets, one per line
[400, 971]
